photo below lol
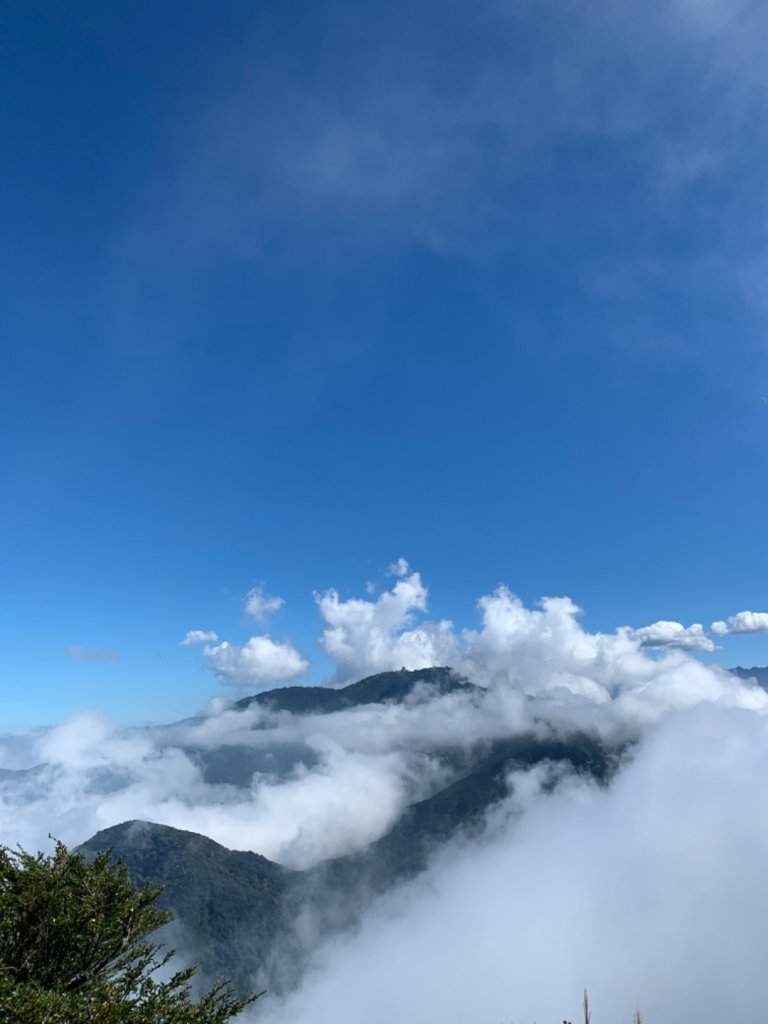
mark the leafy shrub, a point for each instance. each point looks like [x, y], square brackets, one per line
[74, 947]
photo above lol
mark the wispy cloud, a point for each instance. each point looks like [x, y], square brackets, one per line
[199, 636]
[429, 145]
[260, 605]
[99, 654]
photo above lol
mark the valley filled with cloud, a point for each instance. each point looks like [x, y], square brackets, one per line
[641, 880]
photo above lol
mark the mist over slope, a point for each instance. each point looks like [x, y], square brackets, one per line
[651, 892]
[759, 675]
[562, 808]
[245, 917]
[272, 775]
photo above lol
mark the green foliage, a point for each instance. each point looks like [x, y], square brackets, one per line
[74, 947]
[229, 902]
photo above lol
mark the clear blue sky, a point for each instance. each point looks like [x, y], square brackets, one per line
[291, 290]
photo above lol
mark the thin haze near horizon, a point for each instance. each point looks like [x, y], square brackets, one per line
[289, 291]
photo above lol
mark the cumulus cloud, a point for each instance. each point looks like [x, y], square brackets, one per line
[541, 652]
[260, 605]
[741, 624]
[258, 662]
[99, 654]
[367, 636]
[604, 681]
[537, 650]
[534, 668]
[674, 634]
[199, 636]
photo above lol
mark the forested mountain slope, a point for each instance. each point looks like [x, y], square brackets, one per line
[235, 911]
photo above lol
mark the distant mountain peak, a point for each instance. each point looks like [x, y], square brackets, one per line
[760, 675]
[376, 689]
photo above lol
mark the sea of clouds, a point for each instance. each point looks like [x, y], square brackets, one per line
[329, 784]
[649, 892]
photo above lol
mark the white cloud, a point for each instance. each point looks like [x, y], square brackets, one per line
[401, 147]
[365, 637]
[94, 774]
[581, 886]
[400, 568]
[260, 605]
[347, 800]
[650, 893]
[540, 667]
[258, 662]
[673, 634]
[542, 652]
[199, 636]
[545, 651]
[741, 624]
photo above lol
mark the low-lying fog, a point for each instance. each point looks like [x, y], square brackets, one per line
[650, 892]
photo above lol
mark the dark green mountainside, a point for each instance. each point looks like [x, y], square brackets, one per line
[236, 911]
[385, 686]
[461, 807]
[227, 904]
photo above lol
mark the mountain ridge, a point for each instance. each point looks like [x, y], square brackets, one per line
[236, 909]
[375, 689]
[760, 675]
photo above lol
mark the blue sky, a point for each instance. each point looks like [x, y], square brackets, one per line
[290, 291]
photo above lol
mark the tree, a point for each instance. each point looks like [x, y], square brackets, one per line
[74, 947]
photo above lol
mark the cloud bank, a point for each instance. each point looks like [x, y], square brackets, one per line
[649, 891]
[390, 631]
[534, 668]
